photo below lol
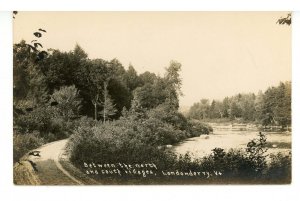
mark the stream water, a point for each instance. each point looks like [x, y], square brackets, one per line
[228, 136]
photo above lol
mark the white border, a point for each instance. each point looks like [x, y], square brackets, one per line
[149, 5]
[10, 192]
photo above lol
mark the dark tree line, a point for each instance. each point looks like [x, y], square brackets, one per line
[273, 107]
[105, 87]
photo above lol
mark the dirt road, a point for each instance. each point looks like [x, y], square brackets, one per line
[45, 168]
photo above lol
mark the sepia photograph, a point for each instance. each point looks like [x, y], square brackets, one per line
[152, 98]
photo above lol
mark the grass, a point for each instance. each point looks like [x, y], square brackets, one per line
[49, 174]
[77, 173]
[25, 175]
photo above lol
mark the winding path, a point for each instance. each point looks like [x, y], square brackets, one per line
[49, 170]
[50, 155]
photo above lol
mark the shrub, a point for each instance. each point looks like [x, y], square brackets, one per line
[169, 115]
[197, 128]
[46, 121]
[280, 167]
[111, 142]
[25, 143]
[155, 132]
[188, 128]
[186, 163]
[233, 164]
[38, 119]
[256, 150]
[67, 101]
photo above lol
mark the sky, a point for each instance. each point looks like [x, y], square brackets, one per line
[222, 53]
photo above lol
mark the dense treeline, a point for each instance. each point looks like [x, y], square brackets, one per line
[273, 107]
[34, 82]
[53, 95]
[96, 81]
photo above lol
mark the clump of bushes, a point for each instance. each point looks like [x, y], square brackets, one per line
[45, 122]
[24, 143]
[135, 137]
[197, 128]
[280, 167]
[187, 127]
[124, 141]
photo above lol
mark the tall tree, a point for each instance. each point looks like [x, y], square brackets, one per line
[282, 111]
[247, 104]
[174, 83]
[21, 61]
[107, 104]
[226, 107]
[269, 103]
[97, 73]
[67, 100]
[132, 78]
[259, 101]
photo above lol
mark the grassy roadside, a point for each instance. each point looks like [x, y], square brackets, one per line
[23, 174]
[74, 171]
[79, 175]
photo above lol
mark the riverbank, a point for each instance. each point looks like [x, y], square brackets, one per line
[228, 120]
[223, 162]
[241, 122]
[233, 136]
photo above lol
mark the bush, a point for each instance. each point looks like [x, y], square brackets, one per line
[280, 167]
[25, 143]
[155, 132]
[67, 101]
[46, 121]
[111, 142]
[52, 121]
[134, 138]
[256, 150]
[38, 119]
[233, 164]
[169, 115]
[41, 125]
[236, 163]
[182, 128]
[197, 128]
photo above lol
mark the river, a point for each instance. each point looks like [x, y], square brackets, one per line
[228, 136]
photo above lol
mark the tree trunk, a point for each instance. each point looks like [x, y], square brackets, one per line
[95, 105]
[105, 103]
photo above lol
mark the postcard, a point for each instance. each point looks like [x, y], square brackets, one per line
[152, 98]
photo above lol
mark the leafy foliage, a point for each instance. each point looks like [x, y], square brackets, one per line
[280, 167]
[273, 107]
[67, 101]
[24, 143]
